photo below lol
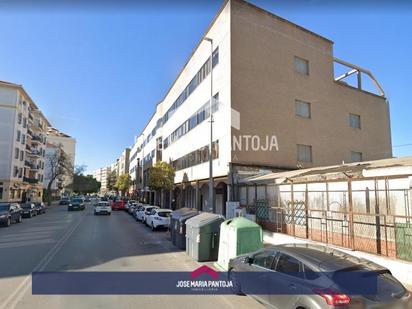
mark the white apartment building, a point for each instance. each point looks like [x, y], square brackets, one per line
[101, 176]
[23, 135]
[277, 106]
[56, 140]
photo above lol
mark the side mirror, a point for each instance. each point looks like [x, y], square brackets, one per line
[248, 260]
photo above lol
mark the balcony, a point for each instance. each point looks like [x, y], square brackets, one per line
[29, 132]
[35, 153]
[36, 138]
[30, 180]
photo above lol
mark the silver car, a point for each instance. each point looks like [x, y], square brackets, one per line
[310, 276]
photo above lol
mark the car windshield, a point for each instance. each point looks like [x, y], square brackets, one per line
[26, 205]
[77, 200]
[4, 207]
[164, 214]
[102, 204]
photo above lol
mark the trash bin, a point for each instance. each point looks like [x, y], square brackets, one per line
[202, 236]
[181, 228]
[177, 225]
[238, 236]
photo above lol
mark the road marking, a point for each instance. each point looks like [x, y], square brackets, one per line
[22, 288]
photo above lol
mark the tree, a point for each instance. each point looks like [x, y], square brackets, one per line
[161, 176]
[59, 165]
[123, 183]
[111, 181]
[84, 184]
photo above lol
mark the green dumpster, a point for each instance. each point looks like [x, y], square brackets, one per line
[238, 236]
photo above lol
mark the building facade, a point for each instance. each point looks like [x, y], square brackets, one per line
[57, 140]
[277, 105]
[101, 176]
[23, 139]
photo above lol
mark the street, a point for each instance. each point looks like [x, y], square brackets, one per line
[79, 241]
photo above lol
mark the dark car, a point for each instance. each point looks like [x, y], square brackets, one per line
[64, 202]
[318, 277]
[40, 207]
[10, 212]
[76, 204]
[28, 209]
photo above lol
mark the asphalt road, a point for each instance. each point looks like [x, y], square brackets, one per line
[79, 241]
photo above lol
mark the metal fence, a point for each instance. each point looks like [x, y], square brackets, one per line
[375, 217]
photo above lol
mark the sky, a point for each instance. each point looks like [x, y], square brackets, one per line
[97, 71]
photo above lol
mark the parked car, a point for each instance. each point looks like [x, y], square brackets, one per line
[310, 268]
[136, 210]
[10, 212]
[158, 218]
[28, 209]
[76, 204]
[129, 204]
[133, 207]
[143, 212]
[118, 205]
[40, 207]
[103, 208]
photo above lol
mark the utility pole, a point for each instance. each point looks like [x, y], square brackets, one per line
[211, 203]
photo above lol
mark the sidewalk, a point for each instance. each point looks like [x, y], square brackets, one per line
[401, 269]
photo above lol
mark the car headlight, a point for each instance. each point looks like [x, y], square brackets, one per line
[3, 216]
[70, 205]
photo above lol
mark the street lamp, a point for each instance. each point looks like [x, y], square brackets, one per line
[211, 199]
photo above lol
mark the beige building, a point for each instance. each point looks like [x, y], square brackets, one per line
[55, 140]
[101, 176]
[23, 134]
[278, 105]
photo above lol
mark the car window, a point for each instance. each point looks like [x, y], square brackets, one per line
[309, 273]
[289, 265]
[263, 259]
[164, 214]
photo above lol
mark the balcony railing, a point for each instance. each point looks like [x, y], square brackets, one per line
[30, 180]
[36, 153]
[36, 138]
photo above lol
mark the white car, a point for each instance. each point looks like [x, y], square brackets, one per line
[158, 218]
[143, 212]
[102, 207]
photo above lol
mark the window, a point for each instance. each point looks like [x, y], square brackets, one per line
[19, 118]
[18, 135]
[301, 66]
[15, 171]
[354, 121]
[1, 193]
[23, 139]
[302, 109]
[355, 156]
[24, 122]
[16, 153]
[289, 265]
[304, 153]
[21, 155]
[262, 259]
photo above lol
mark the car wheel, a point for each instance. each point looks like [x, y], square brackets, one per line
[95, 213]
[30, 215]
[19, 220]
[153, 227]
[236, 288]
[8, 222]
